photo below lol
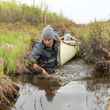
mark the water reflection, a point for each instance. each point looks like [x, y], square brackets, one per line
[85, 93]
[72, 96]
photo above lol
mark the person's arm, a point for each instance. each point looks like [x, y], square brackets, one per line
[40, 69]
[35, 55]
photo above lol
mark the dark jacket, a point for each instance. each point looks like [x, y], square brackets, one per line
[45, 57]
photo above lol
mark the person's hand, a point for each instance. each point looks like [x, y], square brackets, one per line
[38, 68]
[41, 70]
[45, 72]
[35, 66]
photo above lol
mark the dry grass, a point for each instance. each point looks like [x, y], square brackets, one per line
[8, 92]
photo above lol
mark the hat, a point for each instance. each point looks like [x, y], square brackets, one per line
[49, 32]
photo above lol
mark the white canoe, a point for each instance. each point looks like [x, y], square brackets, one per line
[67, 51]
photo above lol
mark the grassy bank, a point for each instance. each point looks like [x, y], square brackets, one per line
[95, 39]
[12, 48]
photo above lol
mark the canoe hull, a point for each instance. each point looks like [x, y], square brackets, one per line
[67, 52]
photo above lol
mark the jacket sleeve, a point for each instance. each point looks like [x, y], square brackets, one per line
[35, 54]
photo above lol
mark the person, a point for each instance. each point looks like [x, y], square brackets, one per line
[43, 57]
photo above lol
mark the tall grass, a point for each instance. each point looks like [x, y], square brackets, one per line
[94, 37]
[12, 47]
[13, 12]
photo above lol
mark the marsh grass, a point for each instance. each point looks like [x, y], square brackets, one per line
[12, 47]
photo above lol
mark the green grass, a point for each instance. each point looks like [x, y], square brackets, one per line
[12, 47]
[7, 5]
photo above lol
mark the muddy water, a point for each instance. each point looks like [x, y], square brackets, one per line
[76, 94]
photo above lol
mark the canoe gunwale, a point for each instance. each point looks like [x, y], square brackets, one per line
[69, 44]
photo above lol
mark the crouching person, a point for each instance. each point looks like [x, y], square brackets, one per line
[43, 57]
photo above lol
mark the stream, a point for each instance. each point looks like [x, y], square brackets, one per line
[76, 94]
